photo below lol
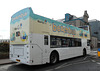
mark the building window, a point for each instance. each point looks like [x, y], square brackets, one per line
[45, 40]
[95, 32]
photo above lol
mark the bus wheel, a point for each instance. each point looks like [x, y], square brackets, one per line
[84, 52]
[54, 58]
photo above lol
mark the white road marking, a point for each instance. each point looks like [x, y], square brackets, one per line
[98, 63]
[94, 51]
[49, 70]
[61, 66]
[81, 62]
[71, 64]
[93, 60]
[85, 58]
[64, 66]
[5, 67]
[76, 62]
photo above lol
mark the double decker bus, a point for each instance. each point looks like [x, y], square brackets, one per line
[35, 39]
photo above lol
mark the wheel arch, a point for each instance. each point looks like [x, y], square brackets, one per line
[84, 49]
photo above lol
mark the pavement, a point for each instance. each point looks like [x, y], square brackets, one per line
[5, 61]
[8, 61]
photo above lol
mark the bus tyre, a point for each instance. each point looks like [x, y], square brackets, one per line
[54, 58]
[84, 52]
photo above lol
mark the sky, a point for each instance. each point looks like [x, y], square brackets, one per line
[55, 9]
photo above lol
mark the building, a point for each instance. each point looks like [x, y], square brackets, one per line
[82, 22]
[95, 31]
[75, 21]
[4, 40]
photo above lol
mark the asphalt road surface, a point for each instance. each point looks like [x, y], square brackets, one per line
[88, 63]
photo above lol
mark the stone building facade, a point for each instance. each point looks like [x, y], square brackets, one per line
[75, 21]
[95, 30]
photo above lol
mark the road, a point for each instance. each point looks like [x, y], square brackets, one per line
[88, 63]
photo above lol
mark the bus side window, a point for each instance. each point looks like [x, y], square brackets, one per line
[45, 40]
[64, 42]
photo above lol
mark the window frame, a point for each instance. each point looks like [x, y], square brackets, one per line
[46, 40]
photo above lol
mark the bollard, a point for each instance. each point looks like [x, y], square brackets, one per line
[98, 52]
